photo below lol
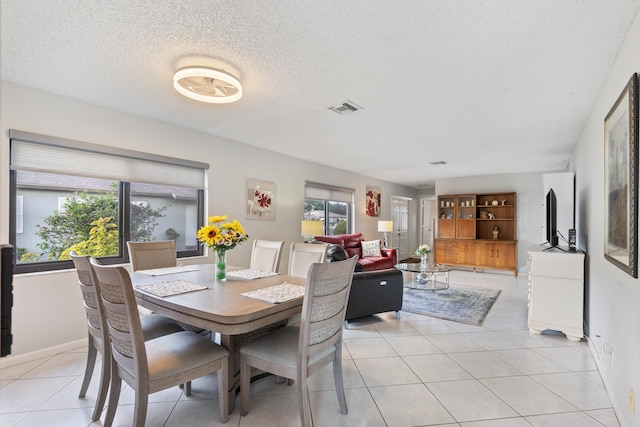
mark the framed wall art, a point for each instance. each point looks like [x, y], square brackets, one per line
[373, 201]
[261, 199]
[621, 180]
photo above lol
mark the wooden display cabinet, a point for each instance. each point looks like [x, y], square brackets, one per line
[466, 217]
[487, 222]
[446, 217]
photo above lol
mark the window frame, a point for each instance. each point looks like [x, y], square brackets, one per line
[124, 194]
[331, 194]
[124, 212]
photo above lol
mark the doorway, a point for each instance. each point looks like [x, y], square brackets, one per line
[400, 218]
[428, 224]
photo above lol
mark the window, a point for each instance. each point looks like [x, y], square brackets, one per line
[331, 205]
[94, 199]
[19, 207]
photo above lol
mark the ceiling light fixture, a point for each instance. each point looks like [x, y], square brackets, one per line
[207, 85]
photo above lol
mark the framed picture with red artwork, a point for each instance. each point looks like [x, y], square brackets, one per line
[373, 201]
[261, 199]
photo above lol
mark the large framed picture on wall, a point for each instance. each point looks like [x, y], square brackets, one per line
[621, 180]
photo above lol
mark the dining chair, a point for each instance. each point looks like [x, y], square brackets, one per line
[159, 254]
[153, 326]
[155, 365]
[265, 255]
[302, 255]
[297, 352]
[148, 255]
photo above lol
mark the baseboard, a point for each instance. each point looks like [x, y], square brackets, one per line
[8, 361]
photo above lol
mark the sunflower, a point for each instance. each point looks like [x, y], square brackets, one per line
[221, 236]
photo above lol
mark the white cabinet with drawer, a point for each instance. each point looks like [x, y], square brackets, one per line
[556, 292]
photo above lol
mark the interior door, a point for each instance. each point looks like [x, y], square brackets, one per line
[428, 222]
[400, 218]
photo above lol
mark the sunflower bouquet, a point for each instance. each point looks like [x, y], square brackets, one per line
[221, 236]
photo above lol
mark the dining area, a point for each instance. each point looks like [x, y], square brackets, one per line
[158, 324]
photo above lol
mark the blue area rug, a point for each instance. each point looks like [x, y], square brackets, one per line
[463, 304]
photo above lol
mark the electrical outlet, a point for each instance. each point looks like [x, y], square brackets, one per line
[632, 401]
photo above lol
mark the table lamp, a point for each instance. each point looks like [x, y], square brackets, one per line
[385, 227]
[309, 229]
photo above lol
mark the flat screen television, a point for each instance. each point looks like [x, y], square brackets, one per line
[552, 219]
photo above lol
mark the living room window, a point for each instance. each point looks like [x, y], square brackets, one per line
[93, 199]
[331, 205]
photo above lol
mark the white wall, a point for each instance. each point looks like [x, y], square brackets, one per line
[47, 307]
[612, 296]
[530, 198]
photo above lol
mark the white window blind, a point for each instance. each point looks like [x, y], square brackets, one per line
[41, 153]
[317, 191]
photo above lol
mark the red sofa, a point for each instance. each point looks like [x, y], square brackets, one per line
[352, 245]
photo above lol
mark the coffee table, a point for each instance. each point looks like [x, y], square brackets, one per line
[426, 277]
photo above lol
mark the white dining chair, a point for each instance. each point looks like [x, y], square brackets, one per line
[153, 326]
[302, 255]
[297, 352]
[148, 255]
[155, 365]
[265, 255]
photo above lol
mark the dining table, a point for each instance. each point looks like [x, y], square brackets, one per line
[220, 307]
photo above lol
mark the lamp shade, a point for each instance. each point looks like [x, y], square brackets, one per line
[385, 226]
[311, 228]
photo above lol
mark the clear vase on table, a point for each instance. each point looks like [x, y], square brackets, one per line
[221, 266]
[424, 261]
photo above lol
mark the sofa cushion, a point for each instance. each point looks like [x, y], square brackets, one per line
[371, 248]
[352, 241]
[375, 263]
[352, 244]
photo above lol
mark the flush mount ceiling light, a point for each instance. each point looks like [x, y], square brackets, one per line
[207, 85]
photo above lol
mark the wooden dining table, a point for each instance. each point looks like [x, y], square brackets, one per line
[221, 308]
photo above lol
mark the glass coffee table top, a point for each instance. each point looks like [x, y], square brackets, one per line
[432, 277]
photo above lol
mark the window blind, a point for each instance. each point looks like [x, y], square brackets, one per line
[317, 191]
[41, 153]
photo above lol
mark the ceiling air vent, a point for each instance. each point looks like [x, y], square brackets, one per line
[346, 107]
[437, 163]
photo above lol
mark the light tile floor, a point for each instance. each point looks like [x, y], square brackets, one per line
[416, 371]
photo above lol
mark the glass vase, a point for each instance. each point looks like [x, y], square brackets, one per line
[221, 266]
[424, 261]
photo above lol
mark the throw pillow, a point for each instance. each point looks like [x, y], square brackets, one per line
[371, 248]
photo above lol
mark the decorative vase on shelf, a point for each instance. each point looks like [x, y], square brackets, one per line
[221, 266]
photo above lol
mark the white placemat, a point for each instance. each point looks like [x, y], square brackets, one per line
[168, 270]
[250, 274]
[278, 293]
[173, 287]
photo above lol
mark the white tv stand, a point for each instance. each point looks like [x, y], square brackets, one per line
[556, 292]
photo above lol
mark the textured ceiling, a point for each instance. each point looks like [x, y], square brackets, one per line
[488, 86]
